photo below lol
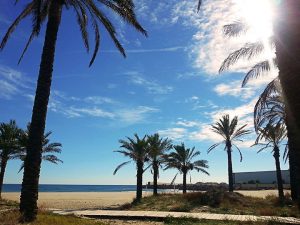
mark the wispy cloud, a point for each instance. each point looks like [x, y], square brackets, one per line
[174, 133]
[209, 47]
[98, 107]
[153, 87]
[153, 50]
[136, 114]
[234, 89]
[13, 82]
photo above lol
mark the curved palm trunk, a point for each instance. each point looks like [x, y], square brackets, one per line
[2, 172]
[278, 174]
[139, 181]
[287, 33]
[29, 192]
[155, 176]
[184, 182]
[230, 173]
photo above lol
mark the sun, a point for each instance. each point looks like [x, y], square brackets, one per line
[258, 14]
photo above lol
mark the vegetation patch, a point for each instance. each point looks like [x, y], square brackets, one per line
[192, 221]
[216, 201]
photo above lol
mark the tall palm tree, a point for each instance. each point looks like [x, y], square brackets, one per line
[48, 149]
[270, 109]
[230, 132]
[271, 106]
[287, 42]
[87, 12]
[157, 148]
[137, 150]
[287, 45]
[181, 159]
[9, 146]
[272, 137]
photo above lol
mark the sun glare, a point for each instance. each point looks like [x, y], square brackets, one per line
[258, 14]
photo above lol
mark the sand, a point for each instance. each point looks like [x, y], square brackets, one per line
[97, 200]
[78, 200]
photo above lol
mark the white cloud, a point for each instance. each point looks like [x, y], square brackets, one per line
[243, 112]
[13, 82]
[173, 133]
[209, 46]
[94, 112]
[99, 100]
[135, 115]
[186, 123]
[7, 90]
[234, 89]
[153, 87]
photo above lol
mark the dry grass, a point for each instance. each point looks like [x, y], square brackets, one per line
[217, 202]
[44, 218]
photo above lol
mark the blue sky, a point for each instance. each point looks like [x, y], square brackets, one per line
[168, 84]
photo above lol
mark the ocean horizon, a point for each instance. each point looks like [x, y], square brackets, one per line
[72, 188]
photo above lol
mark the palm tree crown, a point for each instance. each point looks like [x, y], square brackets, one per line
[87, 12]
[181, 159]
[272, 136]
[157, 148]
[9, 146]
[47, 150]
[230, 132]
[137, 150]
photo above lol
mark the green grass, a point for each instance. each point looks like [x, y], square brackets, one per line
[216, 202]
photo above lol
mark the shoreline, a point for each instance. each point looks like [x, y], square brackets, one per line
[100, 200]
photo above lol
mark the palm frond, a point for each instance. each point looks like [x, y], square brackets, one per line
[247, 52]
[235, 29]
[26, 12]
[256, 71]
[120, 166]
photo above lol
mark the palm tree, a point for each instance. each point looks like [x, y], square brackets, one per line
[47, 150]
[9, 146]
[87, 12]
[230, 132]
[137, 150]
[158, 147]
[271, 106]
[287, 45]
[181, 159]
[273, 136]
[270, 110]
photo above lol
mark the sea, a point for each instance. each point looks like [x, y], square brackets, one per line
[72, 188]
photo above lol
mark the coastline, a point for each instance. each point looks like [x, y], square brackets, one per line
[100, 200]
[78, 200]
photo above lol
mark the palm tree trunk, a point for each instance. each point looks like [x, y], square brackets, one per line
[184, 182]
[278, 174]
[230, 173]
[287, 33]
[32, 164]
[155, 176]
[139, 181]
[2, 172]
[293, 148]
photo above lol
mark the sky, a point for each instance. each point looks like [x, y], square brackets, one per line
[168, 83]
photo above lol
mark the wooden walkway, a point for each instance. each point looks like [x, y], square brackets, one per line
[155, 215]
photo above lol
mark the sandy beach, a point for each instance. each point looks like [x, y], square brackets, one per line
[78, 200]
[92, 200]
